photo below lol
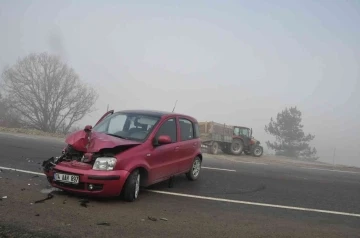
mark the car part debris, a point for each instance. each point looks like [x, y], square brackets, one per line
[84, 202]
[152, 218]
[49, 196]
[103, 224]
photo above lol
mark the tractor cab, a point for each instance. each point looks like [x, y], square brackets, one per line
[240, 131]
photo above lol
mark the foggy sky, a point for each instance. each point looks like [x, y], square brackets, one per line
[235, 62]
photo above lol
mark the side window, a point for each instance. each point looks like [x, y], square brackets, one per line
[168, 129]
[186, 129]
[237, 131]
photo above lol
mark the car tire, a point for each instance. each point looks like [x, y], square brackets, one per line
[194, 172]
[132, 186]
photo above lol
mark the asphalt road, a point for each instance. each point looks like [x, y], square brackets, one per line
[220, 211]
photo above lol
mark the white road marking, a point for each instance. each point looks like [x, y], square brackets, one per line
[230, 170]
[222, 199]
[23, 171]
[255, 203]
[334, 170]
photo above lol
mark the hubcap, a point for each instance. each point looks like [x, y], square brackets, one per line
[137, 186]
[257, 151]
[196, 168]
[236, 146]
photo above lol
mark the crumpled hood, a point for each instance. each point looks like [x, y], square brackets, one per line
[79, 141]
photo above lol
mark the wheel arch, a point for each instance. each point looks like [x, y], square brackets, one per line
[200, 156]
[144, 174]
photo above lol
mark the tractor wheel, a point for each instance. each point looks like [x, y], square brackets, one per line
[237, 147]
[214, 148]
[258, 151]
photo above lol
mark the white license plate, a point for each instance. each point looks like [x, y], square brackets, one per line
[66, 178]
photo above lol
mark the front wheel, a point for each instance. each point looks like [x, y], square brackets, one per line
[132, 186]
[194, 172]
[258, 151]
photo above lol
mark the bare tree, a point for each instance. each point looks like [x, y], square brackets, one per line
[47, 93]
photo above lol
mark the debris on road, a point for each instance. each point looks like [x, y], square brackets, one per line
[164, 219]
[49, 196]
[152, 218]
[37, 215]
[64, 202]
[84, 202]
[103, 224]
[4, 197]
[23, 189]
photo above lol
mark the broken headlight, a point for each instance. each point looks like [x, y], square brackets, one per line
[104, 163]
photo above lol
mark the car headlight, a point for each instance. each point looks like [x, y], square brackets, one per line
[104, 163]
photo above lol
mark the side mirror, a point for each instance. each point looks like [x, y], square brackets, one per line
[163, 140]
[88, 128]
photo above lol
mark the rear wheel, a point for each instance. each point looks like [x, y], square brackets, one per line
[194, 172]
[132, 186]
[258, 151]
[237, 147]
[214, 148]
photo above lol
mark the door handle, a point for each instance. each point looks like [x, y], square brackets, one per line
[177, 148]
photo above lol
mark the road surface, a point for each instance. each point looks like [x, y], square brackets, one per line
[231, 199]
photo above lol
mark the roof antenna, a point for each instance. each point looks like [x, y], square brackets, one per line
[174, 106]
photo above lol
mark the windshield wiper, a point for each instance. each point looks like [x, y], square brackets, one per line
[121, 137]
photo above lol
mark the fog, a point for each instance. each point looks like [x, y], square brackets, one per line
[235, 62]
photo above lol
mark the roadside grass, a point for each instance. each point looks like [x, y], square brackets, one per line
[30, 132]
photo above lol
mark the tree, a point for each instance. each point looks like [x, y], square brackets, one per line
[7, 116]
[47, 93]
[289, 136]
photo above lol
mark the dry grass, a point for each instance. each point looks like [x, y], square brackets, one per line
[30, 132]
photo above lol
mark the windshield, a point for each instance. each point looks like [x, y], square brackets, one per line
[130, 126]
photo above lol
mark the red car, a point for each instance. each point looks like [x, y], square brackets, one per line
[126, 150]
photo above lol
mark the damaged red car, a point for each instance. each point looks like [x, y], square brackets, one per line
[127, 150]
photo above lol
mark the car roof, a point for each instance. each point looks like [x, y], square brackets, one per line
[156, 113]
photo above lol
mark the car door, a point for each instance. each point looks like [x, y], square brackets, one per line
[162, 158]
[188, 144]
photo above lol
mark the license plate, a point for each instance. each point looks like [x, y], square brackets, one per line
[66, 178]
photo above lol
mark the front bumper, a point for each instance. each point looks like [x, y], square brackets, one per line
[91, 182]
